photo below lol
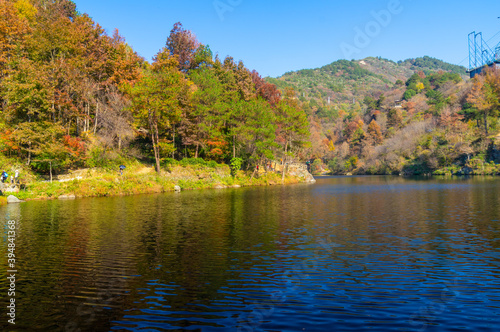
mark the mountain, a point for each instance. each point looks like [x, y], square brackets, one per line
[346, 81]
[428, 63]
[417, 116]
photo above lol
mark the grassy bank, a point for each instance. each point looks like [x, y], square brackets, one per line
[138, 178]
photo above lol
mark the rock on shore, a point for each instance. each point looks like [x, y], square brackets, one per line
[300, 170]
[13, 199]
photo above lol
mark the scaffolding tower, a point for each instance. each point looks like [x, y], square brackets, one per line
[480, 54]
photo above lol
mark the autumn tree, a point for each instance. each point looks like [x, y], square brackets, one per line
[45, 145]
[266, 90]
[485, 95]
[395, 118]
[375, 133]
[354, 131]
[14, 29]
[183, 44]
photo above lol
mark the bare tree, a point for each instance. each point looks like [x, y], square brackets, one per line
[113, 123]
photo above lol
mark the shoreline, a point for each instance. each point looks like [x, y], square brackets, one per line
[84, 183]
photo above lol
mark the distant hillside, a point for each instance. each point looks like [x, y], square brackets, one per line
[346, 81]
[417, 116]
[432, 64]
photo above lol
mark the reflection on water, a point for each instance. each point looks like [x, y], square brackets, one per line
[344, 254]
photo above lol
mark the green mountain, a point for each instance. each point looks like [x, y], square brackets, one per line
[417, 116]
[346, 81]
[428, 63]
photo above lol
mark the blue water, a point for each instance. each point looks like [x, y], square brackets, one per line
[344, 254]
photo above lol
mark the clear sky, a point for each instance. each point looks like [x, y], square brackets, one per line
[276, 36]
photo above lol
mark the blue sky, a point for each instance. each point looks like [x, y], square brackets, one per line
[276, 36]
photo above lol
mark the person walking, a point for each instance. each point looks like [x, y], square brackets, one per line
[16, 177]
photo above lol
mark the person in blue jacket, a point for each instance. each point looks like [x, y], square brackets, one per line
[4, 176]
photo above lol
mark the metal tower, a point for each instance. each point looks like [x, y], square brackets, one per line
[480, 54]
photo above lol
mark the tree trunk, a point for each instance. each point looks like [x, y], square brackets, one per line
[87, 119]
[173, 141]
[95, 119]
[157, 148]
[486, 123]
[283, 161]
[29, 155]
[254, 170]
[50, 170]
[196, 153]
[234, 147]
[283, 174]
[153, 126]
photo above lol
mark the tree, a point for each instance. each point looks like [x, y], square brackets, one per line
[157, 98]
[27, 92]
[395, 118]
[436, 99]
[375, 132]
[204, 119]
[409, 94]
[14, 29]
[266, 90]
[485, 94]
[114, 125]
[183, 44]
[354, 131]
[258, 132]
[370, 103]
[46, 146]
[293, 126]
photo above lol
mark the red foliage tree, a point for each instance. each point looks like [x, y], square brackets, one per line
[184, 44]
[266, 90]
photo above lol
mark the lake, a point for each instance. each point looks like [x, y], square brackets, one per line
[343, 254]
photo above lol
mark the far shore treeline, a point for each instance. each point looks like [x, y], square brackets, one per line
[72, 96]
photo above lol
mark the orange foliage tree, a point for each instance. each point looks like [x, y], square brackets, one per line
[485, 94]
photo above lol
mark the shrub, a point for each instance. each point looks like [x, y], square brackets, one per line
[170, 161]
[333, 165]
[212, 164]
[351, 164]
[236, 165]
[409, 94]
[192, 161]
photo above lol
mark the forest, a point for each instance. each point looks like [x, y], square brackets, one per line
[415, 117]
[72, 96]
